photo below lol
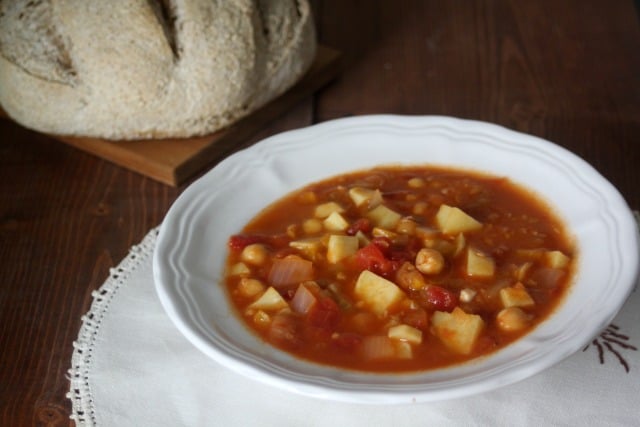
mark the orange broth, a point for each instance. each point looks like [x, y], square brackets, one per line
[456, 265]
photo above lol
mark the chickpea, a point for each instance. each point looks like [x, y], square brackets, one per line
[254, 254]
[512, 319]
[250, 287]
[312, 226]
[406, 225]
[429, 261]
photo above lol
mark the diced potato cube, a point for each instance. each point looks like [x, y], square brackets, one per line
[310, 247]
[361, 196]
[270, 300]
[479, 264]
[377, 292]
[239, 269]
[384, 217]
[340, 247]
[457, 330]
[556, 259]
[335, 222]
[516, 296]
[325, 209]
[250, 287]
[452, 220]
[405, 333]
[512, 319]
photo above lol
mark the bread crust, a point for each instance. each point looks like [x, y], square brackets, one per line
[140, 69]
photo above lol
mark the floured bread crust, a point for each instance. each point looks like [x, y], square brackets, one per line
[133, 69]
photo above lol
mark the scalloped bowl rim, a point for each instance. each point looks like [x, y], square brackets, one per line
[190, 251]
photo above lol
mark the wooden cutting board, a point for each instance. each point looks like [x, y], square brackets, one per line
[174, 161]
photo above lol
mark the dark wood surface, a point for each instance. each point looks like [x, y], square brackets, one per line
[564, 70]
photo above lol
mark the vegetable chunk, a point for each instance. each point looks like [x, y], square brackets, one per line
[516, 296]
[340, 247]
[377, 292]
[457, 330]
[270, 300]
[452, 220]
[479, 264]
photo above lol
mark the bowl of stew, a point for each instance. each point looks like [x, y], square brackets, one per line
[395, 259]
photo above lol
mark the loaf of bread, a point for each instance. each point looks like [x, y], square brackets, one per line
[134, 69]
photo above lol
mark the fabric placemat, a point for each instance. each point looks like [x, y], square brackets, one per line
[132, 367]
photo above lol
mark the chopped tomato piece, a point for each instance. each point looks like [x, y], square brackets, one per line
[361, 224]
[373, 259]
[439, 298]
[239, 241]
[325, 314]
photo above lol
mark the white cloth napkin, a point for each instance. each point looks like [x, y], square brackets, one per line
[131, 367]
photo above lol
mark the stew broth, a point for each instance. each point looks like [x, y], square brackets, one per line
[399, 269]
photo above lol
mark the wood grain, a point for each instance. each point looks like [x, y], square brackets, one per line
[566, 71]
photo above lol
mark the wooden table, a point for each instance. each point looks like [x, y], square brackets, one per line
[564, 70]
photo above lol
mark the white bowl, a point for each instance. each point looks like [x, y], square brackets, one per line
[191, 248]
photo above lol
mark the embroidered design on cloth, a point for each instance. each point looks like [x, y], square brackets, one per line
[83, 411]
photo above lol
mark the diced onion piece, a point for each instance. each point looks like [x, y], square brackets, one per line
[325, 209]
[452, 220]
[303, 300]
[290, 271]
[378, 347]
[405, 333]
[270, 300]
